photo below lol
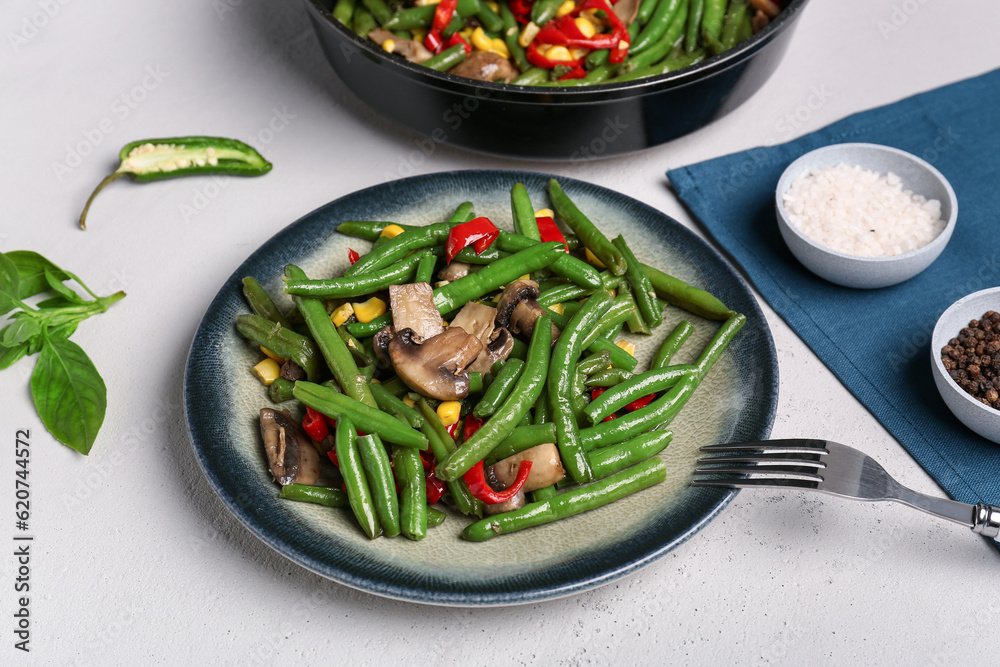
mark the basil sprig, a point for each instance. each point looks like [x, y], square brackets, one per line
[69, 393]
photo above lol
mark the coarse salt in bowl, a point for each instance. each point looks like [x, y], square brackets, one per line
[865, 215]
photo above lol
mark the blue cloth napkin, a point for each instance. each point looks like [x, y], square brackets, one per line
[878, 341]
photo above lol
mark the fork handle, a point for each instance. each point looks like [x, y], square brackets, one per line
[986, 520]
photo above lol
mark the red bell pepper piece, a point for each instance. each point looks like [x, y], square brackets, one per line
[333, 457]
[352, 256]
[453, 429]
[435, 488]
[619, 31]
[442, 17]
[521, 10]
[475, 479]
[548, 230]
[479, 233]
[458, 39]
[472, 424]
[554, 35]
[434, 42]
[314, 424]
[575, 73]
[597, 391]
[640, 402]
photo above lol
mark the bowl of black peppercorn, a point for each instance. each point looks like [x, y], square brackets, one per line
[965, 356]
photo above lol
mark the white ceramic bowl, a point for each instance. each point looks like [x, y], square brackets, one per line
[868, 272]
[981, 418]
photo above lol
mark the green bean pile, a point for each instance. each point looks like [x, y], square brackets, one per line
[556, 42]
[566, 383]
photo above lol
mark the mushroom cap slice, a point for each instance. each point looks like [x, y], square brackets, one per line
[513, 294]
[412, 50]
[436, 367]
[546, 467]
[454, 271]
[413, 308]
[479, 320]
[485, 66]
[292, 457]
[497, 349]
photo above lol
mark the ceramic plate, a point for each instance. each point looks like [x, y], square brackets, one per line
[735, 402]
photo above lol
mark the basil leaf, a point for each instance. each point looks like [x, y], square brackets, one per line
[63, 331]
[20, 331]
[10, 355]
[9, 281]
[57, 286]
[69, 394]
[31, 268]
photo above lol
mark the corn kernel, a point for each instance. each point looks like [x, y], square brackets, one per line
[267, 371]
[271, 354]
[449, 412]
[544, 213]
[627, 346]
[375, 381]
[565, 8]
[409, 400]
[585, 26]
[499, 47]
[492, 5]
[342, 314]
[556, 308]
[392, 231]
[559, 54]
[528, 34]
[424, 3]
[480, 41]
[592, 258]
[369, 310]
[466, 33]
[389, 45]
[418, 34]
[579, 52]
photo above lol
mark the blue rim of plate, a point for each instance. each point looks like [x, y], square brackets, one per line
[256, 505]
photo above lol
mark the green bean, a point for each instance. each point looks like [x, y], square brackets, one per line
[520, 439]
[692, 299]
[731, 26]
[399, 247]
[609, 460]
[665, 66]
[671, 344]
[642, 289]
[447, 59]
[693, 27]
[562, 293]
[595, 362]
[435, 517]
[337, 406]
[498, 427]
[475, 382]
[532, 77]
[425, 269]
[387, 402]
[318, 495]
[634, 321]
[745, 31]
[711, 18]
[369, 230]
[442, 446]
[379, 10]
[339, 288]
[283, 342]
[542, 413]
[589, 234]
[414, 17]
[431, 417]
[503, 384]
[464, 213]
[381, 483]
[658, 50]
[560, 381]
[608, 378]
[488, 18]
[363, 22]
[565, 265]
[358, 493]
[395, 386]
[343, 10]
[522, 212]
[570, 502]
[544, 11]
[720, 341]
[280, 390]
[455, 294]
[620, 310]
[578, 395]
[538, 495]
[260, 302]
[470, 256]
[660, 411]
[646, 8]
[409, 473]
[454, 25]
[511, 32]
[658, 23]
[366, 329]
[643, 384]
[594, 343]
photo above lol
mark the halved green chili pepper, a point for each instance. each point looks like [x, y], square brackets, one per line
[156, 159]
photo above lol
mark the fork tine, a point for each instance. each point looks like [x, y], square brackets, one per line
[765, 458]
[756, 483]
[789, 446]
[798, 471]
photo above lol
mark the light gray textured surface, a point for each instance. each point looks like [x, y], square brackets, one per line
[135, 560]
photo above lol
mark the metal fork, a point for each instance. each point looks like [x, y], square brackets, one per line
[829, 467]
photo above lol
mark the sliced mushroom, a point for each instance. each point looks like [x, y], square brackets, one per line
[292, 371]
[497, 349]
[518, 309]
[759, 21]
[514, 503]
[413, 51]
[485, 66]
[413, 308]
[436, 367]
[546, 468]
[454, 271]
[291, 455]
[626, 10]
[476, 319]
